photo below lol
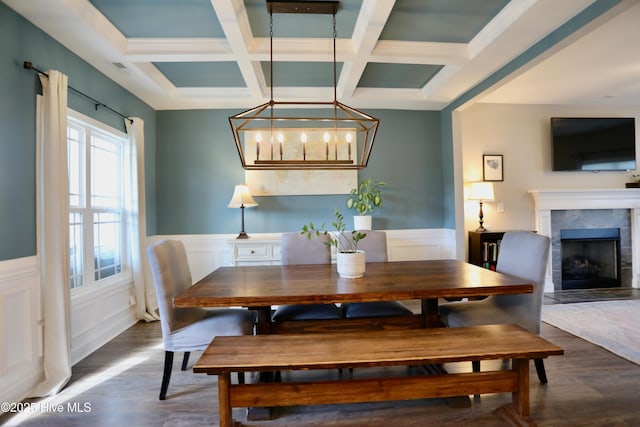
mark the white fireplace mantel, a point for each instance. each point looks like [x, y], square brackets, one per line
[617, 198]
[546, 201]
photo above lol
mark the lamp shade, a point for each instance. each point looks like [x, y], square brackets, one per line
[481, 191]
[242, 197]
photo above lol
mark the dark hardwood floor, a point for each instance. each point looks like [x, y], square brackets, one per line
[118, 386]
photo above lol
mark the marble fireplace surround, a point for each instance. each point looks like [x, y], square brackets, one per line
[546, 201]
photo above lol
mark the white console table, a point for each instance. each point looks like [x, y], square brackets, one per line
[255, 251]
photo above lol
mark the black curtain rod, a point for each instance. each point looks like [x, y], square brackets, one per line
[29, 66]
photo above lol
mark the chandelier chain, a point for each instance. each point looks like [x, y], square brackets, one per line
[335, 80]
[271, 54]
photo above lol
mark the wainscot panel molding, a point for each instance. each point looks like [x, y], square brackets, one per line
[420, 244]
[205, 252]
[208, 252]
[21, 367]
[99, 315]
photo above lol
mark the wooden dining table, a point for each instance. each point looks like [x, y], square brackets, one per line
[262, 287]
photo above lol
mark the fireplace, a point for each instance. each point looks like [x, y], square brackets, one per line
[590, 258]
[555, 210]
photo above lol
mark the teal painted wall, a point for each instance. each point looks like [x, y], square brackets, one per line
[197, 166]
[21, 41]
[448, 179]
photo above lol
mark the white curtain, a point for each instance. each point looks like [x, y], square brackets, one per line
[53, 233]
[136, 220]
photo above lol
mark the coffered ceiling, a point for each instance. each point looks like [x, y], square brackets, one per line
[402, 54]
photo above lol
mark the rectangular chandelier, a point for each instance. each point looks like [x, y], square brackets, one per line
[303, 134]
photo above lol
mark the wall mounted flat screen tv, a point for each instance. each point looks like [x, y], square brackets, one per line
[593, 144]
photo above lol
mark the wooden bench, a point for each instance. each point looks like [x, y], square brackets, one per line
[265, 353]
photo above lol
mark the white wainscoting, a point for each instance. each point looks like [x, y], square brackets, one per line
[20, 328]
[205, 252]
[103, 313]
[208, 252]
[98, 316]
[414, 245]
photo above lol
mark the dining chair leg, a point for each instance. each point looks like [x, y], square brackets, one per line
[166, 375]
[475, 365]
[185, 360]
[542, 374]
[240, 377]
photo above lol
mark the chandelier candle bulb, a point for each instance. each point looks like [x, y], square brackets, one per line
[326, 144]
[303, 137]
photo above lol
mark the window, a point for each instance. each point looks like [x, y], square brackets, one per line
[96, 201]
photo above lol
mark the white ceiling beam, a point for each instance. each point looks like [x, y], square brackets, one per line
[178, 50]
[405, 52]
[520, 25]
[371, 20]
[402, 99]
[235, 23]
[300, 50]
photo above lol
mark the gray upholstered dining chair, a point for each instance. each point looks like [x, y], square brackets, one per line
[523, 254]
[375, 250]
[297, 248]
[187, 329]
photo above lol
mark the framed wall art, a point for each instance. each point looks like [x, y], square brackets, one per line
[492, 167]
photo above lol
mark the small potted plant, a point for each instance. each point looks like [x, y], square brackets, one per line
[350, 260]
[364, 199]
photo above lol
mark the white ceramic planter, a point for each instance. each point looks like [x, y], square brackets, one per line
[351, 265]
[362, 222]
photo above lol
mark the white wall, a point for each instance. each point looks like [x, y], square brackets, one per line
[521, 133]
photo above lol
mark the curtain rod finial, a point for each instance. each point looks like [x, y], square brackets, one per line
[27, 65]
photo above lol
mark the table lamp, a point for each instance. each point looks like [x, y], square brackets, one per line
[481, 191]
[242, 199]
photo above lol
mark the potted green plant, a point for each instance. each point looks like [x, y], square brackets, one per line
[364, 199]
[350, 260]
